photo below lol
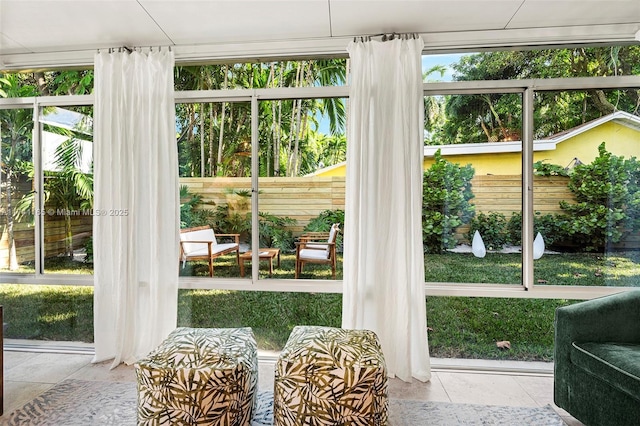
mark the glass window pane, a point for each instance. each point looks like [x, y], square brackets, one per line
[471, 327]
[271, 315]
[587, 187]
[47, 312]
[301, 186]
[254, 75]
[17, 239]
[539, 63]
[214, 151]
[67, 163]
[472, 183]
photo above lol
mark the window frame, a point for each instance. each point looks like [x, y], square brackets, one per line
[527, 88]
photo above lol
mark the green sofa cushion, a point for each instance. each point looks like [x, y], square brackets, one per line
[617, 364]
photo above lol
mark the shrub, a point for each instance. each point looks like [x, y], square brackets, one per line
[274, 232]
[323, 222]
[549, 225]
[190, 215]
[445, 203]
[493, 229]
[540, 168]
[608, 201]
[88, 248]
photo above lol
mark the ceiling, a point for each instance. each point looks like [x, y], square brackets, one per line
[45, 33]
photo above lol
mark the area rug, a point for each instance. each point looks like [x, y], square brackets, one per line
[79, 402]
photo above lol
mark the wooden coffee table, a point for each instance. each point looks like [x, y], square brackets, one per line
[265, 254]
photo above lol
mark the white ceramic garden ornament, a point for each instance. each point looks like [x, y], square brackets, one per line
[477, 246]
[538, 247]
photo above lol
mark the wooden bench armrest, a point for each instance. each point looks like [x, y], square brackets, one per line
[236, 237]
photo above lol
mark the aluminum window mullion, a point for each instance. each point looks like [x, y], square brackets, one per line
[527, 189]
[255, 172]
[38, 182]
[546, 84]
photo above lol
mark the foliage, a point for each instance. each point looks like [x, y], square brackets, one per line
[323, 222]
[492, 228]
[88, 249]
[67, 188]
[445, 203]
[290, 141]
[497, 117]
[607, 192]
[274, 231]
[540, 168]
[190, 213]
[550, 226]
[15, 152]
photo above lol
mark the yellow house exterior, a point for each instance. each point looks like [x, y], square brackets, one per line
[620, 131]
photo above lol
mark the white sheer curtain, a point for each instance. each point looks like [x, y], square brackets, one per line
[384, 266]
[136, 204]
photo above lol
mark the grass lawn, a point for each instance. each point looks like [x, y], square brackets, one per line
[459, 326]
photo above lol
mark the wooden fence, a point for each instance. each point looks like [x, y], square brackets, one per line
[299, 198]
[305, 198]
[54, 231]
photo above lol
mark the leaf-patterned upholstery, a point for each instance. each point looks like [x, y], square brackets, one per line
[199, 376]
[330, 376]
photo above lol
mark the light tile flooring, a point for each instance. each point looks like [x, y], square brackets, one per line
[28, 374]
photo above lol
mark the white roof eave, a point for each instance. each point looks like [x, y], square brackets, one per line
[487, 148]
[620, 117]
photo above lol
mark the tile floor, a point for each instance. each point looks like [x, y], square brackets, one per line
[27, 374]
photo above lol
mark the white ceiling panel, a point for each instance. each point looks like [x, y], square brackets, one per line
[43, 26]
[197, 22]
[568, 13]
[9, 46]
[352, 17]
[49, 33]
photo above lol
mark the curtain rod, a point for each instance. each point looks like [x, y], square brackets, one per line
[387, 37]
[128, 49]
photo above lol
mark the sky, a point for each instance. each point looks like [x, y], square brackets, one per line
[429, 61]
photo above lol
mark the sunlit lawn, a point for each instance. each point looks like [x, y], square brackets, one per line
[459, 326]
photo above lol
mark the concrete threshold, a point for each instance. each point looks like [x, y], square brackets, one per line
[480, 366]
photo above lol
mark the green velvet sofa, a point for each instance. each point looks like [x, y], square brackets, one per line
[597, 360]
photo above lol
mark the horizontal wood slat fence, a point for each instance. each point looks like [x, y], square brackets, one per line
[305, 198]
[299, 198]
[54, 231]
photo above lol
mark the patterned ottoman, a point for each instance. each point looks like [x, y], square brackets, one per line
[330, 376]
[199, 376]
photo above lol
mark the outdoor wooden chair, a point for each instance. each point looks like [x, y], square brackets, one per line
[200, 243]
[319, 248]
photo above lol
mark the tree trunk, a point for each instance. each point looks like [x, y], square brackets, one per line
[13, 259]
[211, 150]
[295, 122]
[68, 240]
[201, 131]
[296, 148]
[222, 114]
[43, 89]
[278, 140]
[485, 130]
[601, 102]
